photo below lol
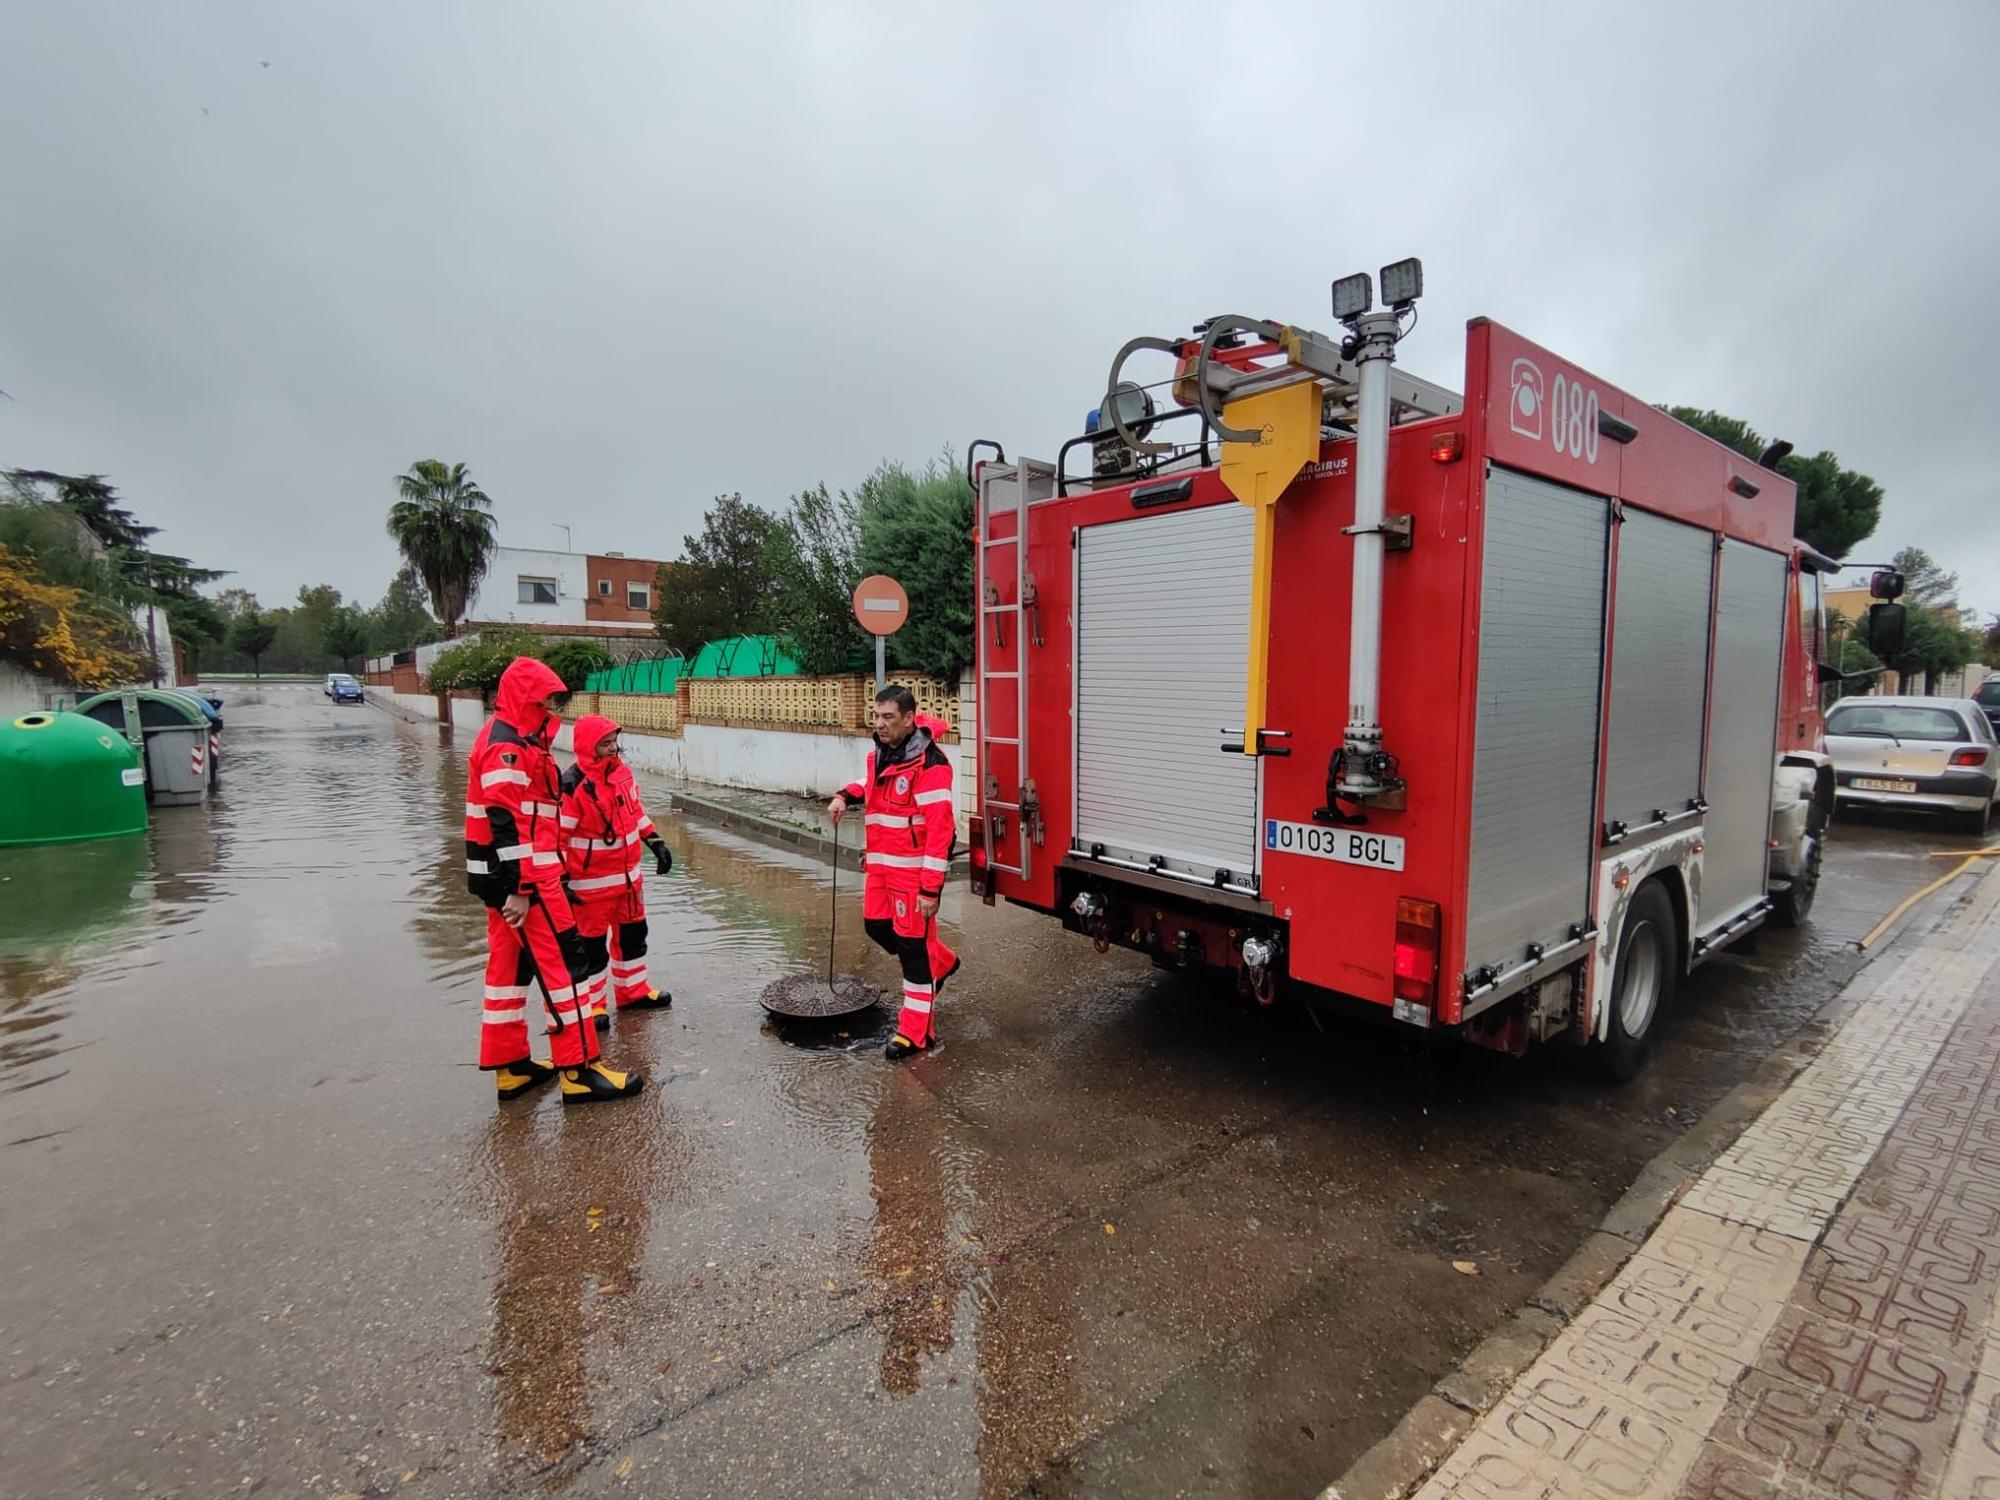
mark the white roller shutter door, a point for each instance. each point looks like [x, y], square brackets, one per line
[1659, 669]
[1534, 779]
[1162, 642]
[1742, 731]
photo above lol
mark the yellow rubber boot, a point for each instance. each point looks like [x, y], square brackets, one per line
[517, 1078]
[596, 1082]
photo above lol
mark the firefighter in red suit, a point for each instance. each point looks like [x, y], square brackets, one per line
[604, 830]
[514, 865]
[907, 800]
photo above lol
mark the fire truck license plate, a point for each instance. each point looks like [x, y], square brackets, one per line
[1351, 846]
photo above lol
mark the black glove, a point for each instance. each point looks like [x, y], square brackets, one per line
[663, 857]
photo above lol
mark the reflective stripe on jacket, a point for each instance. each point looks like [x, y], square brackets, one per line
[908, 808]
[604, 825]
[512, 795]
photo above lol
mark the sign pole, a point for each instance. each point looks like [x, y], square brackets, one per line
[880, 608]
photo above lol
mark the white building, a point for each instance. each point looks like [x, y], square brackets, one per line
[527, 586]
[603, 593]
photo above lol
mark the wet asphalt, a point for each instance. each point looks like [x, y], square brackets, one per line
[263, 1229]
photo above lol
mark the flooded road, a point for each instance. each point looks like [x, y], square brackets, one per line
[266, 1231]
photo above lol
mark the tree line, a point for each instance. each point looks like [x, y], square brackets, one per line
[319, 631]
[792, 572]
[789, 572]
[75, 563]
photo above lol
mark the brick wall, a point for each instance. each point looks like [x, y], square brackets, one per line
[612, 609]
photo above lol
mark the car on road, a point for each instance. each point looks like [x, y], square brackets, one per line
[344, 689]
[1987, 696]
[1924, 754]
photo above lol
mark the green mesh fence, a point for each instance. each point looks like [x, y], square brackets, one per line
[738, 656]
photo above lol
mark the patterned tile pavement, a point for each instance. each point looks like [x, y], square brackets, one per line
[1817, 1316]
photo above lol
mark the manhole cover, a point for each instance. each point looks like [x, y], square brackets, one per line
[810, 997]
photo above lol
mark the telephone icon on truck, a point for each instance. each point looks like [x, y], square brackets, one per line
[1524, 406]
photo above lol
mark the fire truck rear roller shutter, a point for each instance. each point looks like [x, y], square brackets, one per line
[1743, 730]
[1541, 645]
[1659, 668]
[1162, 639]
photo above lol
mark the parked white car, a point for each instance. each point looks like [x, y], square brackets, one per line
[1926, 754]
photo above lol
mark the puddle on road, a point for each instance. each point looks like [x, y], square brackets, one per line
[1115, 1213]
[78, 920]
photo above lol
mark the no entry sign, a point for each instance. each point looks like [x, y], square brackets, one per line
[881, 605]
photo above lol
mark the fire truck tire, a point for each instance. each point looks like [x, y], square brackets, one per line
[1789, 906]
[1642, 984]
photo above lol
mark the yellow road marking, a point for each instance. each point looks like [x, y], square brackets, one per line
[1907, 902]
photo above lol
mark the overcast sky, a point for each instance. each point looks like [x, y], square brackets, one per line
[256, 259]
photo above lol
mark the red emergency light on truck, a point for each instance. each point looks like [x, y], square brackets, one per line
[1498, 712]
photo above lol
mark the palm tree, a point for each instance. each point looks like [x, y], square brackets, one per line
[444, 527]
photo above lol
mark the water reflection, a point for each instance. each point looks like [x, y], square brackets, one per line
[578, 1189]
[68, 910]
[448, 924]
[189, 849]
[1029, 1396]
[60, 906]
[578, 1200]
[939, 1251]
[909, 1251]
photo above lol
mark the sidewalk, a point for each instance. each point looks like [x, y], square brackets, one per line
[1817, 1315]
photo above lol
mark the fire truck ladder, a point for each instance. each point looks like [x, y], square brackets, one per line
[1002, 618]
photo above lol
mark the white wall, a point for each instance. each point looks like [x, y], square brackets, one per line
[1960, 684]
[467, 714]
[772, 760]
[764, 760]
[498, 595]
[419, 706]
[23, 692]
[156, 639]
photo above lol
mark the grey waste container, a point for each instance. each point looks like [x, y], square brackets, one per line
[175, 733]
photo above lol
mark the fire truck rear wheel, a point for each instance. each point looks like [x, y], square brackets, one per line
[1642, 984]
[1790, 906]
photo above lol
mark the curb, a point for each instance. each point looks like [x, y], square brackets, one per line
[1445, 1415]
[397, 711]
[773, 831]
[777, 832]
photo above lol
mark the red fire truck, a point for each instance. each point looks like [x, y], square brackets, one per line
[1499, 712]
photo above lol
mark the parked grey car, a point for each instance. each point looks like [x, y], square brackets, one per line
[1926, 754]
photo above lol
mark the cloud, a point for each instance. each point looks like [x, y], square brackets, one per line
[618, 260]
